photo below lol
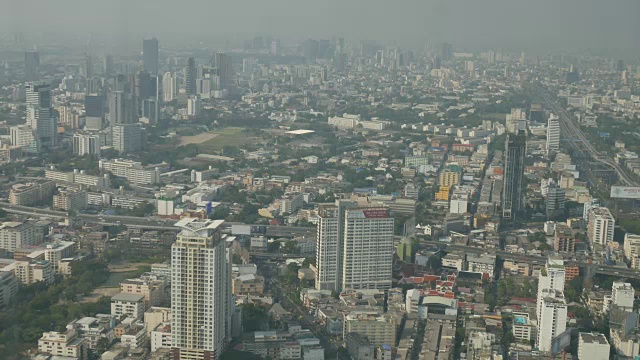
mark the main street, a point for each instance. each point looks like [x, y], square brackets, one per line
[571, 130]
[505, 255]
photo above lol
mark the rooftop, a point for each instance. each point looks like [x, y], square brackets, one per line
[127, 297]
[594, 338]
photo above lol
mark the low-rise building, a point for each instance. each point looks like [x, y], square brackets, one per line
[152, 290]
[8, 287]
[379, 328]
[161, 337]
[130, 305]
[67, 344]
[593, 346]
[31, 193]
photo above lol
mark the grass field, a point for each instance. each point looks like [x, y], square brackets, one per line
[116, 277]
[231, 136]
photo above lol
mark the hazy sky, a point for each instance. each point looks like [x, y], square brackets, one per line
[535, 24]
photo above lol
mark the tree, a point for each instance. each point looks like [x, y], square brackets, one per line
[253, 317]
[574, 288]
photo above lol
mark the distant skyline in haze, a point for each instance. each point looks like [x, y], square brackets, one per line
[532, 25]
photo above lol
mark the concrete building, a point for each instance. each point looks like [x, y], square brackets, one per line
[70, 200]
[522, 327]
[593, 346]
[379, 328]
[449, 178]
[632, 247]
[64, 344]
[601, 226]
[31, 193]
[248, 284]
[161, 337]
[459, 204]
[201, 298]
[132, 171]
[152, 290]
[553, 135]
[344, 229]
[291, 203]
[30, 272]
[8, 287]
[150, 55]
[131, 305]
[169, 87]
[552, 318]
[622, 296]
[15, 235]
[127, 137]
[156, 316]
[484, 263]
[86, 144]
[25, 138]
[194, 106]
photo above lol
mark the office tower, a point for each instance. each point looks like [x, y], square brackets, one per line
[354, 247]
[620, 65]
[446, 52]
[600, 226]
[150, 55]
[512, 194]
[144, 86]
[310, 50]
[190, 76]
[224, 69]
[573, 76]
[107, 66]
[193, 106]
[553, 134]
[31, 65]
[122, 108]
[127, 138]
[39, 112]
[169, 87]
[551, 307]
[555, 201]
[93, 111]
[201, 297]
[340, 62]
[150, 110]
[86, 144]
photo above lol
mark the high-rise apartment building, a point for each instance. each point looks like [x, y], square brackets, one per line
[623, 296]
[552, 318]
[169, 87]
[31, 65]
[86, 144]
[150, 55]
[553, 134]
[512, 194]
[39, 112]
[354, 247]
[201, 297]
[25, 137]
[593, 346]
[600, 226]
[190, 76]
[551, 306]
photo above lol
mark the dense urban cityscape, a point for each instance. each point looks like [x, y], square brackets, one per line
[324, 198]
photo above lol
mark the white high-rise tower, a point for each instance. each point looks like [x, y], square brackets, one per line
[551, 306]
[553, 134]
[169, 86]
[201, 297]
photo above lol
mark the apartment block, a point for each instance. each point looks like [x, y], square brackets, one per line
[131, 305]
[66, 344]
[132, 171]
[31, 193]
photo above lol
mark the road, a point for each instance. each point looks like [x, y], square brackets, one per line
[571, 129]
[598, 268]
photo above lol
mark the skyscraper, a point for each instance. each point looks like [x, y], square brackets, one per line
[31, 65]
[224, 70]
[84, 144]
[190, 76]
[201, 297]
[553, 134]
[122, 108]
[169, 87]
[446, 52]
[354, 247]
[39, 112]
[107, 66]
[512, 194]
[150, 55]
